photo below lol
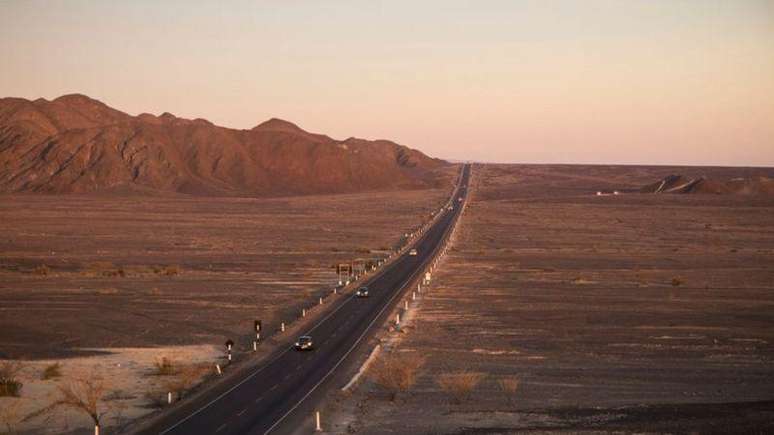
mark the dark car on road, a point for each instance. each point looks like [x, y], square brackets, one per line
[304, 343]
[362, 292]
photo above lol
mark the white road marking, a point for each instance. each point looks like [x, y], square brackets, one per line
[222, 426]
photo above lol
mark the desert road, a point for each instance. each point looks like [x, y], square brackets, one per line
[277, 396]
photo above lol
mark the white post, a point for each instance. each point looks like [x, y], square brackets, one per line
[335, 291]
[317, 426]
[229, 357]
[255, 346]
[96, 429]
[397, 319]
[217, 367]
[413, 296]
[320, 300]
[282, 327]
[303, 312]
[169, 397]
[405, 305]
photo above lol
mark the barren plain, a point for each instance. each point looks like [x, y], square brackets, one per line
[107, 285]
[571, 312]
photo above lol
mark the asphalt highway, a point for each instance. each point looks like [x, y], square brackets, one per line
[266, 398]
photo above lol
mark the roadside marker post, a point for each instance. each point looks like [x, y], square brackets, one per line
[320, 300]
[303, 312]
[169, 397]
[317, 426]
[397, 321]
[405, 305]
[255, 346]
[413, 296]
[217, 367]
[282, 327]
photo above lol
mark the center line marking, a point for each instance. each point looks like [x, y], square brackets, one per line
[221, 427]
[241, 412]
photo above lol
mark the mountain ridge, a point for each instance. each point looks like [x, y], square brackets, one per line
[76, 144]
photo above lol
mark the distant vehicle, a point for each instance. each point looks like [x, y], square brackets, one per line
[362, 292]
[304, 343]
[413, 252]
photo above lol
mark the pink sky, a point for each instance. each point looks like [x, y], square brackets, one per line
[658, 82]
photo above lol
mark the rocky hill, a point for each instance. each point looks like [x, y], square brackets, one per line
[75, 144]
[702, 185]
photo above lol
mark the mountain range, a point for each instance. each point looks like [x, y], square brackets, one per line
[76, 144]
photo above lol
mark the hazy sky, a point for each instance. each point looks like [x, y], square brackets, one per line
[618, 81]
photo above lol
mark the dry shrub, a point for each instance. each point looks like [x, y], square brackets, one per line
[397, 373]
[9, 382]
[184, 378]
[83, 394]
[10, 416]
[459, 385]
[42, 270]
[52, 371]
[187, 377]
[509, 385]
[164, 367]
[172, 270]
[677, 281]
[156, 397]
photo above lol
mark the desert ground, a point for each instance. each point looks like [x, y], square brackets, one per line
[107, 285]
[557, 310]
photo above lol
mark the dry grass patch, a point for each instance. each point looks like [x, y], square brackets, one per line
[458, 386]
[397, 373]
[10, 416]
[51, 371]
[42, 270]
[178, 382]
[9, 382]
[164, 367]
[509, 385]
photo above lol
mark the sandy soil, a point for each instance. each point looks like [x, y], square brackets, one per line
[94, 282]
[632, 313]
[128, 376]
